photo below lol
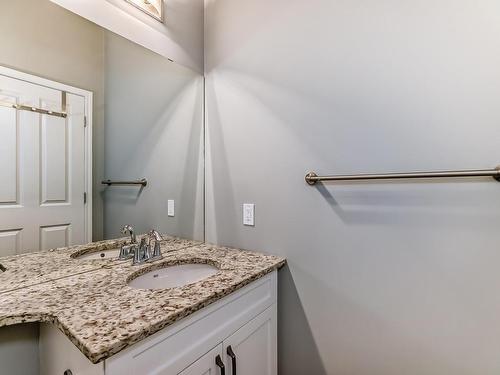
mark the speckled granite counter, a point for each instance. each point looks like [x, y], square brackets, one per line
[102, 315]
[40, 267]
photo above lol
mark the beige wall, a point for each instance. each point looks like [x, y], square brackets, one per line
[41, 38]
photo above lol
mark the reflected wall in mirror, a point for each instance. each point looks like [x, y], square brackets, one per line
[143, 117]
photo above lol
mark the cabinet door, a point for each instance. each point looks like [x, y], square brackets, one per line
[207, 365]
[253, 348]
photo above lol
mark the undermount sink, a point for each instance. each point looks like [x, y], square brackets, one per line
[103, 254]
[173, 276]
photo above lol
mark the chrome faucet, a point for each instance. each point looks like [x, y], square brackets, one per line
[146, 251]
[128, 251]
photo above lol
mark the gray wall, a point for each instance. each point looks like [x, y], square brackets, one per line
[382, 278]
[41, 38]
[19, 350]
[154, 129]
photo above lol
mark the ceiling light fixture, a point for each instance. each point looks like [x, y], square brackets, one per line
[153, 8]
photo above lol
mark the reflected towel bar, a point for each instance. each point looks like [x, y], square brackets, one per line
[142, 182]
[312, 178]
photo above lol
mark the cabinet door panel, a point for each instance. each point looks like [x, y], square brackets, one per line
[254, 345]
[205, 365]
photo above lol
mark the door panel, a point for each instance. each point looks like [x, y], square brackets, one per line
[8, 154]
[42, 169]
[254, 345]
[55, 236]
[205, 365]
[10, 241]
[54, 160]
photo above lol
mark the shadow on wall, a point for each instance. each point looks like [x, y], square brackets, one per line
[193, 177]
[221, 188]
[182, 27]
[167, 151]
[403, 203]
[297, 351]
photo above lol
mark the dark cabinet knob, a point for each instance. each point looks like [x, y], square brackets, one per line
[220, 364]
[231, 354]
[68, 372]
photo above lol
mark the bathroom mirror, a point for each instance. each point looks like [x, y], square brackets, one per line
[81, 105]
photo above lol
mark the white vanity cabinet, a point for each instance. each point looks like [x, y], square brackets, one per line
[250, 350]
[243, 323]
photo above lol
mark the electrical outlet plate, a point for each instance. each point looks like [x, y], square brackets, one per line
[171, 207]
[249, 214]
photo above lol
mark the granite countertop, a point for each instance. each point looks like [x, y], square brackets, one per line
[23, 270]
[100, 313]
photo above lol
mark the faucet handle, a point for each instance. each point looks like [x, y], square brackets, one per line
[129, 229]
[153, 234]
[126, 228]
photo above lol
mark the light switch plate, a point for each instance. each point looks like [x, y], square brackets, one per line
[249, 214]
[171, 207]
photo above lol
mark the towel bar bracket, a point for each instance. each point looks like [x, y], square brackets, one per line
[311, 178]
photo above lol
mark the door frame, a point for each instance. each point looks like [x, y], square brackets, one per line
[88, 97]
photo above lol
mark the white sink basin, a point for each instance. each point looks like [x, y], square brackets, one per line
[173, 276]
[104, 254]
